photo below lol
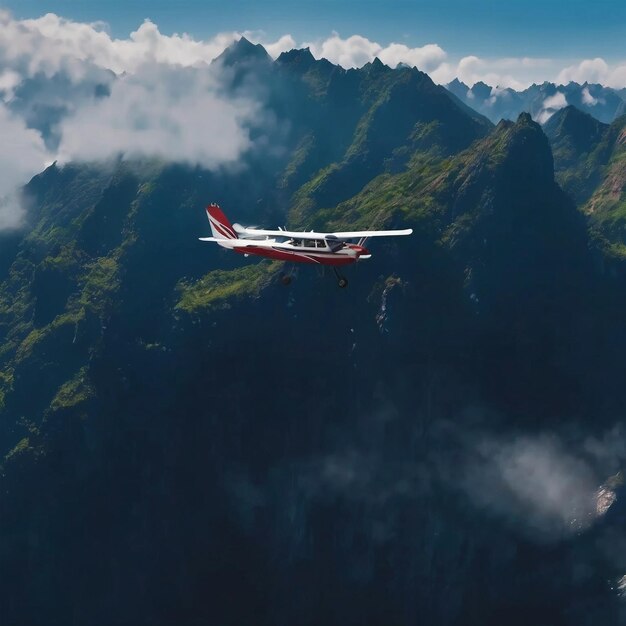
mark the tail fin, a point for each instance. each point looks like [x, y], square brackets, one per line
[220, 226]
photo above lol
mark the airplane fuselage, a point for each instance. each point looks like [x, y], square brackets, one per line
[314, 251]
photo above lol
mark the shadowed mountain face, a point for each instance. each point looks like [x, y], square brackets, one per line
[576, 139]
[187, 441]
[589, 160]
[573, 133]
[541, 101]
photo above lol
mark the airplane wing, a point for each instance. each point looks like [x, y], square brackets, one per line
[356, 234]
[232, 243]
[360, 234]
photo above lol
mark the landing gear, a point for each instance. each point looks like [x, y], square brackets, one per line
[342, 281]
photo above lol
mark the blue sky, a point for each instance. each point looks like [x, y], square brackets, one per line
[565, 29]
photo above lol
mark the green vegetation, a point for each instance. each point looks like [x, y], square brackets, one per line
[21, 448]
[66, 261]
[97, 287]
[6, 384]
[487, 304]
[24, 448]
[75, 391]
[606, 208]
[299, 157]
[214, 290]
[99, 284]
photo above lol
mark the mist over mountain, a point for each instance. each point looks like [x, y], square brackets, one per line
[541, 101]
[185, 440]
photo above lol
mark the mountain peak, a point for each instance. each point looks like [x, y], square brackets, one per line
[243, 50]
[573, 132]
[526, 152]
[298, 56]
[571, 118]
[481, 90]
[457, 83]
[376, 66]
[458, 88]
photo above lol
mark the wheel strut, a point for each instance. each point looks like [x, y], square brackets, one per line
[342, 281]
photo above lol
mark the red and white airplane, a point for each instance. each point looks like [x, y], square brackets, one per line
[296, 247]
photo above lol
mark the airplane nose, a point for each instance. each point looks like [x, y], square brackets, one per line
[359, 251]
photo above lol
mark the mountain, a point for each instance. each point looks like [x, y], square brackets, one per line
[573, 133]
[605, 207]
[458, 88]
[541, 101]
[243, 51]
[580, 151]
[374, 120]
[185, 440]
[589, 159]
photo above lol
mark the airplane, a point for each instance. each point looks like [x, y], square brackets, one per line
[294, 246]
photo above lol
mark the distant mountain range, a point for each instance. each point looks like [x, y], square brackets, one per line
[541, 101]
[184, 440]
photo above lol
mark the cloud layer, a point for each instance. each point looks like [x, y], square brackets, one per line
[69, 90]
[178, 115]
[23, 154]
[595, 71]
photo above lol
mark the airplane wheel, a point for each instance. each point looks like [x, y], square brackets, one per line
[342, 282]
[286, 280]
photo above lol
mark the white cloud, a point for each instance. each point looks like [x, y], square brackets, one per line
[595, 71]
[176, 114]
[587, 98]
[276, 48]
[165, 101]
[516, 73]
[549, 480]
[9, 80]
[50, 44]
[426, 58]
[356, 51]
[557, 101]
[589, 70]
[550, 106]
[22, 156]
[548, 485]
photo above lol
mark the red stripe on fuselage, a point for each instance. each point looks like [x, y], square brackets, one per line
[297, 257]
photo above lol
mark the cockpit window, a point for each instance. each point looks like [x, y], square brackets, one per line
[309, 243]
[334, 244]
